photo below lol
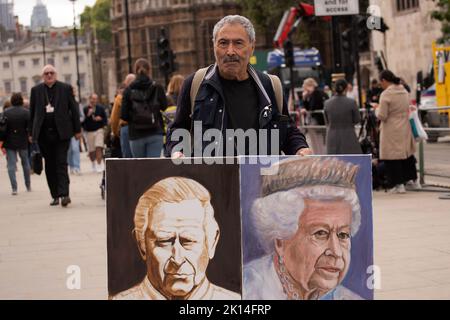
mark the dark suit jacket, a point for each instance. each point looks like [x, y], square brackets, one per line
[67, 114]
[17, 128]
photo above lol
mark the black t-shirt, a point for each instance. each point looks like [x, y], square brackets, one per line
[241, 103]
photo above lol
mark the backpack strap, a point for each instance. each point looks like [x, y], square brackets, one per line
[278, 89]
[200, 75]
[196, 82]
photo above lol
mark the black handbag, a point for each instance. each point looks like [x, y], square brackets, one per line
[36, 159]
[3, 126]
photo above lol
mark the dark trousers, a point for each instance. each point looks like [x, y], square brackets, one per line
[401, 171]
[54, 152]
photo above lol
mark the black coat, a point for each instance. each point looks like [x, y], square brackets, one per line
[17, 128]
[209, 105]
[67, 114]
[143, 83]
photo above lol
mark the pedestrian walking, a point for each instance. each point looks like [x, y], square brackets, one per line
[55, 119]
[95, 120]
[313, 103]
[396, 140]
[142, 104]
[342, 115]
[119, 127]
[15, 141]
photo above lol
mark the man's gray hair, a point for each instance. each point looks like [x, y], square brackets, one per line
[275, 215]
[234, 19]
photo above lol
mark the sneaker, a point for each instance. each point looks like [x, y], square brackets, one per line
[77, 172]
[94, 166]
[401, 188]
[55, 202]
[393, 190]
[14, 193]
[414, 184]
[28, 189]
[99, 167]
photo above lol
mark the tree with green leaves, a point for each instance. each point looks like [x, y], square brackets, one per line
[442, 14]
[97, 17]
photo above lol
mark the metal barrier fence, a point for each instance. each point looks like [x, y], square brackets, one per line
[300, 121]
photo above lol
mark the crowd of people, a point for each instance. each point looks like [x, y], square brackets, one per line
[230, 94]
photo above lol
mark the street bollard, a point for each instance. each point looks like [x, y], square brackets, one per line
[421, 163]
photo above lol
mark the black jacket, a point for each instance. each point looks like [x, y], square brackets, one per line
[210, 109]
[143, 83]
[67, 114]
[17, 128]
[89, 124]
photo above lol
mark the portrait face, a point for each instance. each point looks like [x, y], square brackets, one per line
[233, 49]
[176, 248]
[93, 100]
[318, 255]
[49, 75]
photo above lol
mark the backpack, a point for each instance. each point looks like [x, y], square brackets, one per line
[3, 126]
[145, 108]
[200, 75]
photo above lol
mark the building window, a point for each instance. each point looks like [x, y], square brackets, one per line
[66, 59]
[68, 78]
[5, 65]
[144, 42]
[119, 8]
[80, 59]
[36, 79]
[7, 85]
[82, 80]
[35, 61]
[51, 61]
[22, 63]
[23, 85]
[406, 5]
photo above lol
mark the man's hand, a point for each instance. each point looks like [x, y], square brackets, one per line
[98, 118]
[78, 135]
[177, 155]
[304, 152]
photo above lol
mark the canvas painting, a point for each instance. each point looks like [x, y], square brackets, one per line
[173, 231]
[307, 228]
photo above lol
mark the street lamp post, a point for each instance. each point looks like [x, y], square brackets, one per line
[76, 50]
[43, 44]
[127, 24]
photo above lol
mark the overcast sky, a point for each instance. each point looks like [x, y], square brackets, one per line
[60, 11]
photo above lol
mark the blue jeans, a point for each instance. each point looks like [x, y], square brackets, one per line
[11, 156]
[147, 147]
[73, 156]
[125, 143]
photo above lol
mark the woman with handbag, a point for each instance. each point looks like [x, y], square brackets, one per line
[143, 101]
[397, 146]
[15, 141]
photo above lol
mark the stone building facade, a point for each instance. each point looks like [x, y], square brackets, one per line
[188, 24]
[407, 43]
[21, 65]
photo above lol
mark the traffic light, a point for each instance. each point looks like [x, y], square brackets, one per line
[363, 33]
[346, 41]
[166, 56]
[289, 53]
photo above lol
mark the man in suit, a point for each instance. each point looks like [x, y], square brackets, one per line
[54, 119]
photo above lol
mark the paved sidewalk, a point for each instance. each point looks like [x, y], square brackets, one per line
[39, 242]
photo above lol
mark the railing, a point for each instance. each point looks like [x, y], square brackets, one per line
[301, 124]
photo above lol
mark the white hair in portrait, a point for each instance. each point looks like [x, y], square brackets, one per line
[276, 215]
